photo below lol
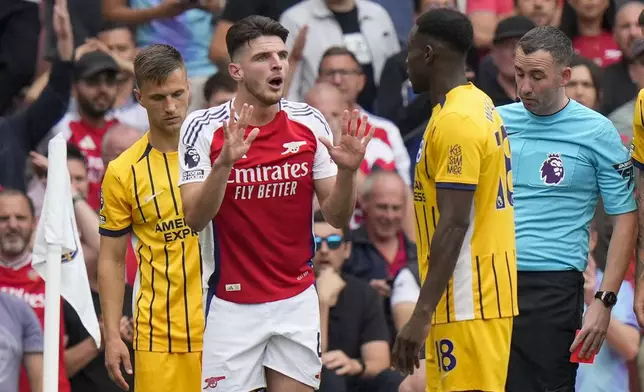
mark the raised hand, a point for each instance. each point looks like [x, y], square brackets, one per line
[63, 29]
[236, 145]
[348, 152]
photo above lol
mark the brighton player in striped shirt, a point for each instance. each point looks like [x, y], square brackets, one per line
[140, 202]
[465, 221]
[252, 188]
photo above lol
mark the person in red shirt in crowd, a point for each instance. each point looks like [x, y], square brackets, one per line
[95, 89]
[329, 100]
[589, 24]
[17, 277]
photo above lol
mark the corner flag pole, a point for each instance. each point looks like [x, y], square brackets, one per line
[56, 175]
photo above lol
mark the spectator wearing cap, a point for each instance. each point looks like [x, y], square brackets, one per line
[95, 90]
[362, 26]
[622, 117]
[21, 132]
[496, 73]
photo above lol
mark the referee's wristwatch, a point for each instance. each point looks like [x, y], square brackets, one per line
[609, 298]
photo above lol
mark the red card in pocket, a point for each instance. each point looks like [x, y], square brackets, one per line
[574, 357]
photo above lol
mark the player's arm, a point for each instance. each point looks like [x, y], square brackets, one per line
[337, 197]
[115, 226]
[201, 185]
[616, 183]
[335, 188]
[458, 140]
[638, 161]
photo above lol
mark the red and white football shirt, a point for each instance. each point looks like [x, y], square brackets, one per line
[24, 282]
[89, 140]
[386, 151]
[261, 238]
[393, 139]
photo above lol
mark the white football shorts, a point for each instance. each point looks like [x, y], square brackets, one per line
[241, 339]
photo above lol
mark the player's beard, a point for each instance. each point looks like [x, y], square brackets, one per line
[95, 110]
[14, 243]
[262, 94]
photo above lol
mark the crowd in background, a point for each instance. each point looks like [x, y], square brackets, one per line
[344, 54]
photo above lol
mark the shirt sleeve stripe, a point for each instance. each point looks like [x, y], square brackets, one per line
[308, 112]
[197, 123]
[456, 186]
[114, 233]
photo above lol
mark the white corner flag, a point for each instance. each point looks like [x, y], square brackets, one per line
[58, 258]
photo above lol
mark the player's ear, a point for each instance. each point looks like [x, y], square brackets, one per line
[566, 75]
[235, 72]
[137, 94]
[429, 53]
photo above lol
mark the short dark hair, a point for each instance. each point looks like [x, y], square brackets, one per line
[74, 153]
[250, 28]
[338, 51]
[109, 25]
[155, 63]
[449, 26]
[595, 71]
[18, 192]
[218, 82]
[640, 20]
[551, 40]
[318, 217]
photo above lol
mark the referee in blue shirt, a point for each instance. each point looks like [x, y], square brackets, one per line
[564, 156]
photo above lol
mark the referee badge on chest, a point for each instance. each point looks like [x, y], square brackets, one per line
[552, 169]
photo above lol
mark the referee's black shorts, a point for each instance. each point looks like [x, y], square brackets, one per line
[550, 312]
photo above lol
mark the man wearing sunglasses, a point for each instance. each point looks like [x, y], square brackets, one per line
[355, 335]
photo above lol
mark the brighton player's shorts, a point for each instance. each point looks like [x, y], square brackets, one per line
[470, 355]
[242, 339]
[171, 372]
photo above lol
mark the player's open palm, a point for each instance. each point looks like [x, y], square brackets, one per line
[236, 143]
[356, 134]
[116, 353]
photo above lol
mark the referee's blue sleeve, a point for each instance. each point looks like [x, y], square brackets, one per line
[614, 169]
